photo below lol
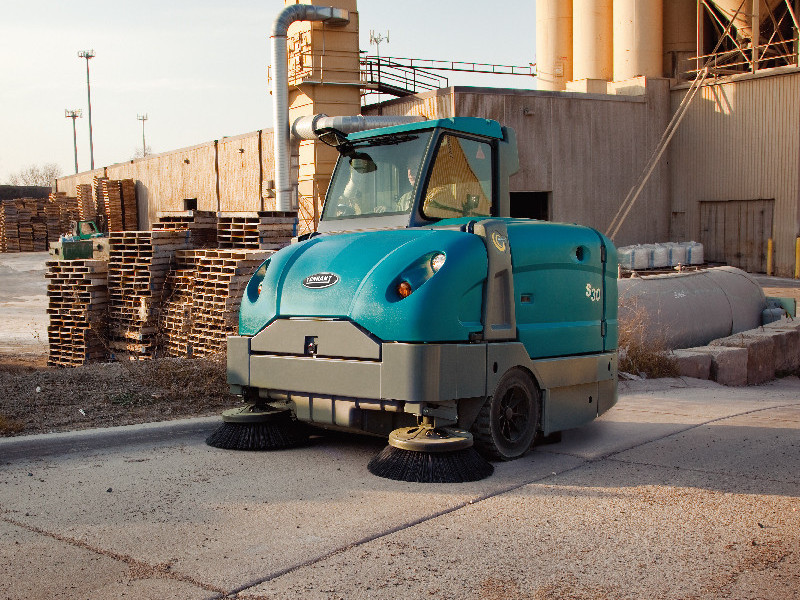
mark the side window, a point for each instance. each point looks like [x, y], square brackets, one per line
[460, 184]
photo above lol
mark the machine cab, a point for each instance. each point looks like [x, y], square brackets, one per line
[417, 174]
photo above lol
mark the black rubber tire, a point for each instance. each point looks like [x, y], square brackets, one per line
[507, 422]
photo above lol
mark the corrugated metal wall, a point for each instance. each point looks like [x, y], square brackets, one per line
[587, 150]
[740, 141]
[224, 175]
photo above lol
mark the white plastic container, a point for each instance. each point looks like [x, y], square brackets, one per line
[694, 253]
[625, 257]
[661, 256]
[677, 254]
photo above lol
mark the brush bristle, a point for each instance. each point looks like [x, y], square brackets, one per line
[268, 435]
[430, 467]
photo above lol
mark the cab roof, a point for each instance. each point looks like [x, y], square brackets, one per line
[473, 125]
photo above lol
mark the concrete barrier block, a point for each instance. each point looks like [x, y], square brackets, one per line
[786, 346]
[785, 323]
[692, 363]
[728, 364]
[760, 355]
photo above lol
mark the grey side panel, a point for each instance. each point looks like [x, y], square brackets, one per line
[333, 338]
[560, 372]
[568, 407]
[607, 392]
[433, 372]
[316, 375]
[238, 360]
[408, 372]
[499, 315]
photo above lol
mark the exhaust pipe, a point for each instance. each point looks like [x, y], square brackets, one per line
[336, 17]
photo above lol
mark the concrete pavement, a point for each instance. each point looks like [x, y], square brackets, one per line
[686, 489]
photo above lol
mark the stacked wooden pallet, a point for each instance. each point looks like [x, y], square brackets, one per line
[201, 224]
[265, 230]
[130, 207]
[175, 321]
[77, 293]
[111, 190]
[24, 227]
[137, 269]
[219, 284]
[9, 222]
[87, 208]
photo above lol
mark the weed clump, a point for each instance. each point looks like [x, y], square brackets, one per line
[642, 350]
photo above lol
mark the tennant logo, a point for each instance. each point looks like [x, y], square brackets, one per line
[320, 280]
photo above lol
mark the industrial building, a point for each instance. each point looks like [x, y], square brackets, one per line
[720, 78]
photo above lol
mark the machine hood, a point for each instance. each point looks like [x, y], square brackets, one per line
[355, 276]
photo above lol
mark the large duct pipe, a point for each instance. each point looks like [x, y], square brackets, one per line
[691, 309]
[553, 44]
[638, 39]
[280, 87]
[303, 128]
[592, 47]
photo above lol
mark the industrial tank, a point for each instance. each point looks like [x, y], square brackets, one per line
[592, 47]
[638, 40]
[683, 310]
[553, 44]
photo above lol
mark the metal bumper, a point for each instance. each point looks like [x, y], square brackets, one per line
[418, 373]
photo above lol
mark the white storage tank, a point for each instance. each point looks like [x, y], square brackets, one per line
[638, 38]
[592, 45]
[553, 44]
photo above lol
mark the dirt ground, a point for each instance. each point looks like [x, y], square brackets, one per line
[35, 398]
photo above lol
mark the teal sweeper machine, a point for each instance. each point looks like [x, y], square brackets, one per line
[422, 310]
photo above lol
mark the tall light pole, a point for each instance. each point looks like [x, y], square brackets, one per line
[143, 118]
[87, 54]
[74, 114]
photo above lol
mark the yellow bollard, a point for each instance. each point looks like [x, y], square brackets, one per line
[797, 258]
[769, 256]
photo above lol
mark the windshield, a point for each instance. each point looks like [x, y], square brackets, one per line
[379, 177]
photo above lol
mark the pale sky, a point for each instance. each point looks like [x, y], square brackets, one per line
[199, 69]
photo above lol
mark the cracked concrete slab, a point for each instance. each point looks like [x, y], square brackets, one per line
[686, 489]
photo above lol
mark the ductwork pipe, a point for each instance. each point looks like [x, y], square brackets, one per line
[304, 127]
[280, 87]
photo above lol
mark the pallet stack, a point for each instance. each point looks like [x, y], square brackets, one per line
[77, 293]
[138, 266]
[175, 321]
[221, 279]
[130, 207]
[111, 191]
[202, 225]
[87, 208]
[9, 222]
[264, 230]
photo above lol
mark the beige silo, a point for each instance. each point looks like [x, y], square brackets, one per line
[592, 48]
[553, 43]
[680, 37]
[638, 44]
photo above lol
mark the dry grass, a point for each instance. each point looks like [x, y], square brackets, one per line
[43, 399]
[10, 426]
[642, 350]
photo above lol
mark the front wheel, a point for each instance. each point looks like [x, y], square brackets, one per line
[507, 422]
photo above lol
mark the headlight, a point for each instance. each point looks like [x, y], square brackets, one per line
[404, 289]
[437, 261]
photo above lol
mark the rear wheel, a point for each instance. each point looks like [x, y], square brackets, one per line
[507, 422]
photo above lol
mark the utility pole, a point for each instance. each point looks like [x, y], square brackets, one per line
[143, 118]
[87, 54]
[74, 114]
[376, 39]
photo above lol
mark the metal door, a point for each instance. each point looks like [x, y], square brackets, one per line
[735, 232]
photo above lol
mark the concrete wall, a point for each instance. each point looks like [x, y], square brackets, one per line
[224, 175]
[587, 150]
[740, 141]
